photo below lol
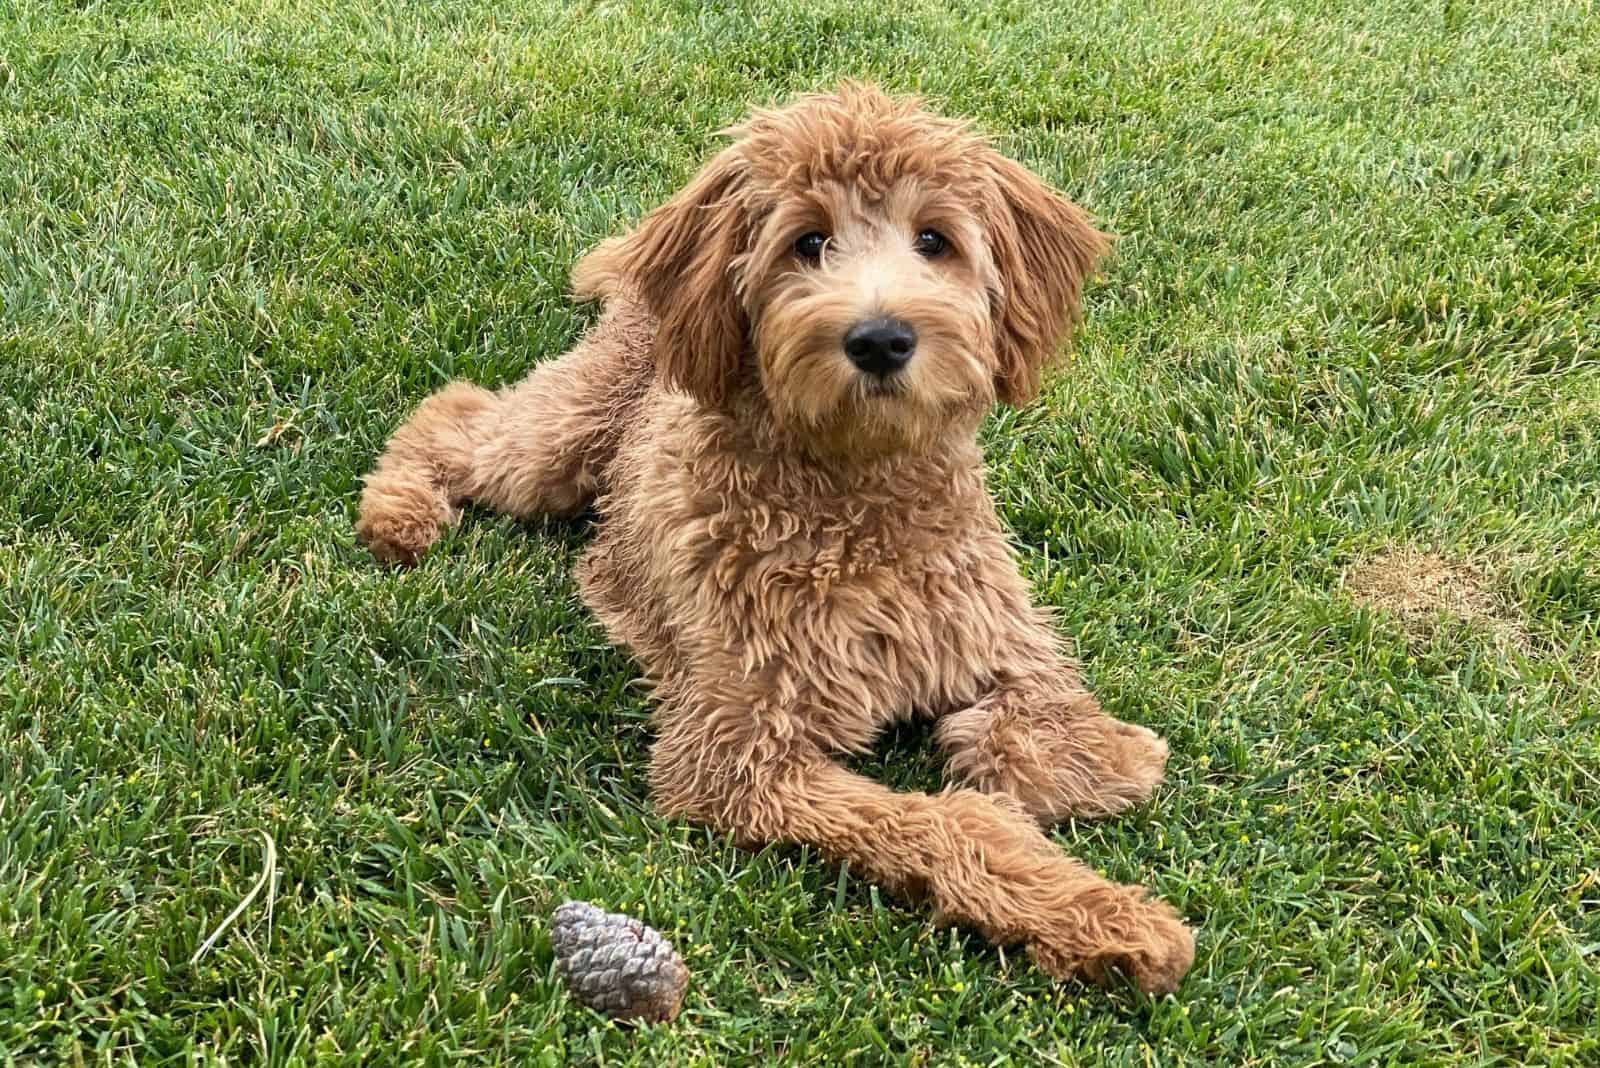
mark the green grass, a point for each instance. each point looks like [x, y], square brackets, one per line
[1356, 308]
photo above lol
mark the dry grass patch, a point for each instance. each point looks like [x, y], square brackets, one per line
[1418, 588]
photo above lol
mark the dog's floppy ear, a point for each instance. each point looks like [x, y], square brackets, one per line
[679, 261]
[1044, 249]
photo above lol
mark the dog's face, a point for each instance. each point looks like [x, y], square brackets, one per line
[884, 275]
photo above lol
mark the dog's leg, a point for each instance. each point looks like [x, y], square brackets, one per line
[420, 482]
[981, 863]
[538, 448]
[1048, 745]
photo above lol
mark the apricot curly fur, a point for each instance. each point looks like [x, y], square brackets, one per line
[799, 552]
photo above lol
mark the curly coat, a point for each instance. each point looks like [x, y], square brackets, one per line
[800, 553]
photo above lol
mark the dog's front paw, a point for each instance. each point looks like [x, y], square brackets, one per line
[1084, 767]
[1110, 767]
[1141, 939]
[1137, 757]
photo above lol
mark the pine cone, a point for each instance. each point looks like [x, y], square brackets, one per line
[617, 965]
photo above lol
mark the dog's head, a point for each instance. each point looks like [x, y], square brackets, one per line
[883, 274]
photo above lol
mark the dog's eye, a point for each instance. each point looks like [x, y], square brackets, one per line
[931, 243]
[809, 246]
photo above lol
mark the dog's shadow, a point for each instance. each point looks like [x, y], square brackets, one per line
[905, 757]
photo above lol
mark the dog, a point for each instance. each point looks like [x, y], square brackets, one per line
[775, 419]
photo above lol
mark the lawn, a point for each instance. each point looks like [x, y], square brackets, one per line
[1318, 498]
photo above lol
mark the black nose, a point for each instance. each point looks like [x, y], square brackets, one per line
[880, 346]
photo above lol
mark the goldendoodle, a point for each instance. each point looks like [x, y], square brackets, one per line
[776, 419]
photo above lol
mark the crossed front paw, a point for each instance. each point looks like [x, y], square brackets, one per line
[1142, 939]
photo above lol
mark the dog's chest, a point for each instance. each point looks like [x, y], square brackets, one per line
[868, 623]
[850, 604]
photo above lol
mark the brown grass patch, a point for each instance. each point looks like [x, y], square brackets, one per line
[1419, 588]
